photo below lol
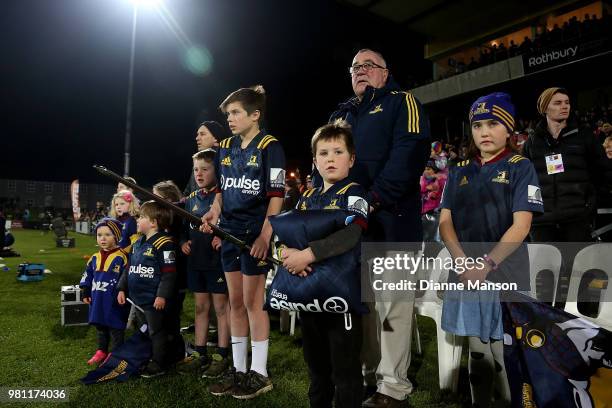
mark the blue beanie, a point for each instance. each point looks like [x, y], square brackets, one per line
[497, 106]
[114, 225]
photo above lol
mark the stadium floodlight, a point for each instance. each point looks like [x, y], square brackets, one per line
[145, 3]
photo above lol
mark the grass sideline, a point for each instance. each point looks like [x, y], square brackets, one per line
[38, 352]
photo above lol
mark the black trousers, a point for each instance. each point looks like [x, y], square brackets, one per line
[105, 334]
[332, 355]
[159, 324]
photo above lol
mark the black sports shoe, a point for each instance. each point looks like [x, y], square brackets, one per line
[151, 370]
[229, 382]
[253, 385]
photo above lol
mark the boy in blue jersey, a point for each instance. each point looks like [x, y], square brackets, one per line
[99, 284]
[487, 208]
[331, 348]
[250, 167]
[150, 283]
[204, 273]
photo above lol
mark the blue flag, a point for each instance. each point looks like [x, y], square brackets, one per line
[555, 359]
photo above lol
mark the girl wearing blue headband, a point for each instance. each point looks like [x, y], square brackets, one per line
[487, 207]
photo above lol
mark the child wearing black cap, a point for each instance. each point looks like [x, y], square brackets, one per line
[99, 287]
[487, 208]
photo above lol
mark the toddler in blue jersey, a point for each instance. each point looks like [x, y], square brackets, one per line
[124, 208]
[150, 283]
[99, 287]
[251, 172]
[487, 207]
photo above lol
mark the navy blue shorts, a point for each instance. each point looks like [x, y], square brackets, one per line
[206, 281]
[233, 259]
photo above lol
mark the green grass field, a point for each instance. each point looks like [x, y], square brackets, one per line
[36, 351]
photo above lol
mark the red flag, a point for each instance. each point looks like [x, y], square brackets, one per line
[74, 194]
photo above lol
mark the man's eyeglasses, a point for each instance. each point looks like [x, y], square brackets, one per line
[366, 66]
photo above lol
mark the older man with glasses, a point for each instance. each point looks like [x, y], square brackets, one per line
[392, 141]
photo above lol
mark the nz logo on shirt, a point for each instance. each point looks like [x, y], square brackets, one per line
[277, 177]
[534, 195]
[169, 257]
[358, 204]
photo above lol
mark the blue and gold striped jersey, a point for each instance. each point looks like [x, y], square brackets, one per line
[249, 177]
[482, 200]
[343, 195]
[99, 281]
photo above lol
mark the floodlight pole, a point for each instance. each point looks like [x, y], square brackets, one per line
[128, 116]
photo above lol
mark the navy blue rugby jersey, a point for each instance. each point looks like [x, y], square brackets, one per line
[152, 271]
[249, 177]
[203, 256]
[482, 200]
[343, 195]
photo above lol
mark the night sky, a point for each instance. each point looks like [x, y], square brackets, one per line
[64, 73]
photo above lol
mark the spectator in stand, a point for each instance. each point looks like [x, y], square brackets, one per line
[432, 185]
[606, 132]
[431, 188]
[565, 158]
[292, 194]
[2, 228]
[309, 182]
[453, 157]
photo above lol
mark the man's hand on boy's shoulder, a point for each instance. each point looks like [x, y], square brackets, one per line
[160, 303]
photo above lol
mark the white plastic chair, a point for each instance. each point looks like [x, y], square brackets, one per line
[449, 345]
[544, 257]
[597, 256]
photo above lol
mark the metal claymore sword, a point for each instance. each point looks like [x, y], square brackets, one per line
[224, 235]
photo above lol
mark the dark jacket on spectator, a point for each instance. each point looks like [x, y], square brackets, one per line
[570, 195]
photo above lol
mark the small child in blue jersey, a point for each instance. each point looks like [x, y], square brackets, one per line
[150, 284]
[124, 208]
[99, 287]
[251, 169]
[487, 207]
[205, 276]
[332, 350]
